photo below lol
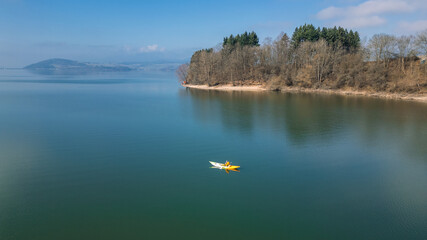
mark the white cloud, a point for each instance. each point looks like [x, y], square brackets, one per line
[151, 48]
[368, 13]
[368, 8]
[144, 49]
[360, 22]
[330, 12]
[411, 27]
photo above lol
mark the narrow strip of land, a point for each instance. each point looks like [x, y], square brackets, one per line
[259, 88]
[228, 87]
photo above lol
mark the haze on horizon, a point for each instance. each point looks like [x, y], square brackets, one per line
[142, 31]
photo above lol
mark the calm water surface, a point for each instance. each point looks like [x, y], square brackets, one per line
[125, 156]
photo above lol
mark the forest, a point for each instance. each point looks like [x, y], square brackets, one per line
[325, 58]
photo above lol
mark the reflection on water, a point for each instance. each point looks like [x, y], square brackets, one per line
[351, 163]
[226, 170]
[316, 118]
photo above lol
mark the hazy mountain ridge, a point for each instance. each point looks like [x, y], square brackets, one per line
[59, 65]
[66, 66]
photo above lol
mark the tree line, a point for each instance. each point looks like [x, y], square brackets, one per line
[314, 58]
[246, 39]
[336, 36]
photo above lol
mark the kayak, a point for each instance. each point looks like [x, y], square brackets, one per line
[222, 166]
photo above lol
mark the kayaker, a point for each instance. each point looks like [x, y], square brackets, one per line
[227, 163]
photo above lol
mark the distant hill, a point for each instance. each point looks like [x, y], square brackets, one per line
[66, 66]
[56, 63]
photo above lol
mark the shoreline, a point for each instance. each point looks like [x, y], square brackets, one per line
[259, 88]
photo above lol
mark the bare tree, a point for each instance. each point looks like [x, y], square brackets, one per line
[321, 59]
[382, 47]
[421, 42]
[281, 51]
[405, 46]
[182, 73]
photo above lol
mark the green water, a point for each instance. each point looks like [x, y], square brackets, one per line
[126, 157]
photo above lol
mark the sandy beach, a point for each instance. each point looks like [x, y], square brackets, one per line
[258, 88]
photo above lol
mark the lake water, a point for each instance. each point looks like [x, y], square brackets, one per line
[125, 156]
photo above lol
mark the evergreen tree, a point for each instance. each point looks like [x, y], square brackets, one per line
[335, 37]
[245, 39]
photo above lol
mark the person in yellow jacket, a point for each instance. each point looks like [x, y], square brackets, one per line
[227, 163]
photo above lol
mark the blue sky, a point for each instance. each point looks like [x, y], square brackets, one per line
[142, 31]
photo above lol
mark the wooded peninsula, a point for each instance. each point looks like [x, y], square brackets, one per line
[314, 58]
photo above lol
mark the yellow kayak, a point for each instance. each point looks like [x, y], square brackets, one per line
[223, 166]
